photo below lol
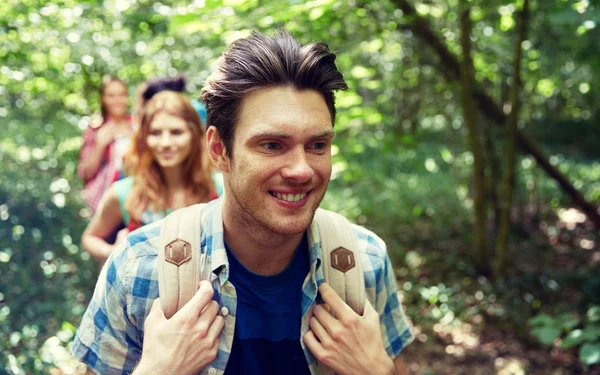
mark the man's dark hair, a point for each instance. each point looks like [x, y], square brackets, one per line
[260, 61]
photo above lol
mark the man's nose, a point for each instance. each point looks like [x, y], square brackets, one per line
[298, 167]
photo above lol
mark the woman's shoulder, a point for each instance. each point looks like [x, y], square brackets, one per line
[122, 187]
[127, 181]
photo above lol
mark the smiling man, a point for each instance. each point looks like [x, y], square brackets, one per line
[270, 112]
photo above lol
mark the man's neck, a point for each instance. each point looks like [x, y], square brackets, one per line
[257, 248]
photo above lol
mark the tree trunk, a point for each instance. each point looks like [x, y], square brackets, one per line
[451, 69]
[508, 183]
[467, 79]
[493, 176]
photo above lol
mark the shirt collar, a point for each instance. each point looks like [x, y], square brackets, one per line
[212, 239]
[315, 251]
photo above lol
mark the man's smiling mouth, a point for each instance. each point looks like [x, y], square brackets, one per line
[289, 197]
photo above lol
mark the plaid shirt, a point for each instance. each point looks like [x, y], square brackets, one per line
[109, 339]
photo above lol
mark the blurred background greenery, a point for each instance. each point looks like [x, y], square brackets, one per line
[406, 161]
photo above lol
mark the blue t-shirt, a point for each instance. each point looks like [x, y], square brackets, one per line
[268, 318]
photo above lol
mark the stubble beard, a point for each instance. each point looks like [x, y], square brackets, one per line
[259, 223]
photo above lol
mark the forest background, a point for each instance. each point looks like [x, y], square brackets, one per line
[468, 140]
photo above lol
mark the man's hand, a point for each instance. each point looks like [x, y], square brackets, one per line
[187, 342]
[345, 341]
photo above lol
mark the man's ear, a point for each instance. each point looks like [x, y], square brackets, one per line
[216, 149]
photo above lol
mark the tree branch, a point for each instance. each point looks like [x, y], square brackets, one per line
[421, 27]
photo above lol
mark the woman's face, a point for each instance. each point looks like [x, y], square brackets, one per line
[114, 99]
[170, 140]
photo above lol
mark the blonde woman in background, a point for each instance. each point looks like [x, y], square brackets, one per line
[168, 168]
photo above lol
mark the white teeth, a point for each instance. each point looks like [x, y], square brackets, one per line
[291, 197]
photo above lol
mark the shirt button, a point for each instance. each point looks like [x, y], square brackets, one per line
[224, 311]
[212, 371]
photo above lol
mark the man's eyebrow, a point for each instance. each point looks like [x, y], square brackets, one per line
[270, 135]
[325, 134]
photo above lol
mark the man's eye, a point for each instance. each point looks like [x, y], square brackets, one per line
[271, 146]
[319, 146]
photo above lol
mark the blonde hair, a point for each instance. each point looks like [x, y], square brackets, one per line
[149, 189]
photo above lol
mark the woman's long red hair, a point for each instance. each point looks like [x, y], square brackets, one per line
[149, 187]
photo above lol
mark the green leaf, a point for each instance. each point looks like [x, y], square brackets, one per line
[67, 326]
[546, 334]
[593, 314]
[568, 321]
[590, 353]
[542, 320]
[407, 139]
[573, 339]
[591, 333]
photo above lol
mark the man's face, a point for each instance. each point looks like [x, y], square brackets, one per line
[281, 159]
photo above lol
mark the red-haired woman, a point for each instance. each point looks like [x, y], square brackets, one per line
[168, 168]
[105, 141]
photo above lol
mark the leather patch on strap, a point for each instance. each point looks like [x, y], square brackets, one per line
[342, 259]
[178, 252]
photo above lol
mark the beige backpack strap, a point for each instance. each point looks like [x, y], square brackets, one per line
[179, 260]
[341, 260]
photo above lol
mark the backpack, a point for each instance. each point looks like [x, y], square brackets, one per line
[181, 264]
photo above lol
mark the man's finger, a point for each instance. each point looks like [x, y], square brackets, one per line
[156, 310]
[325, 317]
[370, 310]
[338, 307]
[216, 327]
[195, 305]
[209, 313]
[319, 331]
[312, 343]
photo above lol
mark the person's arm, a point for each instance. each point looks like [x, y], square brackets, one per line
[401, 368]
[103, 223]
[108, 341]
[92, 153]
